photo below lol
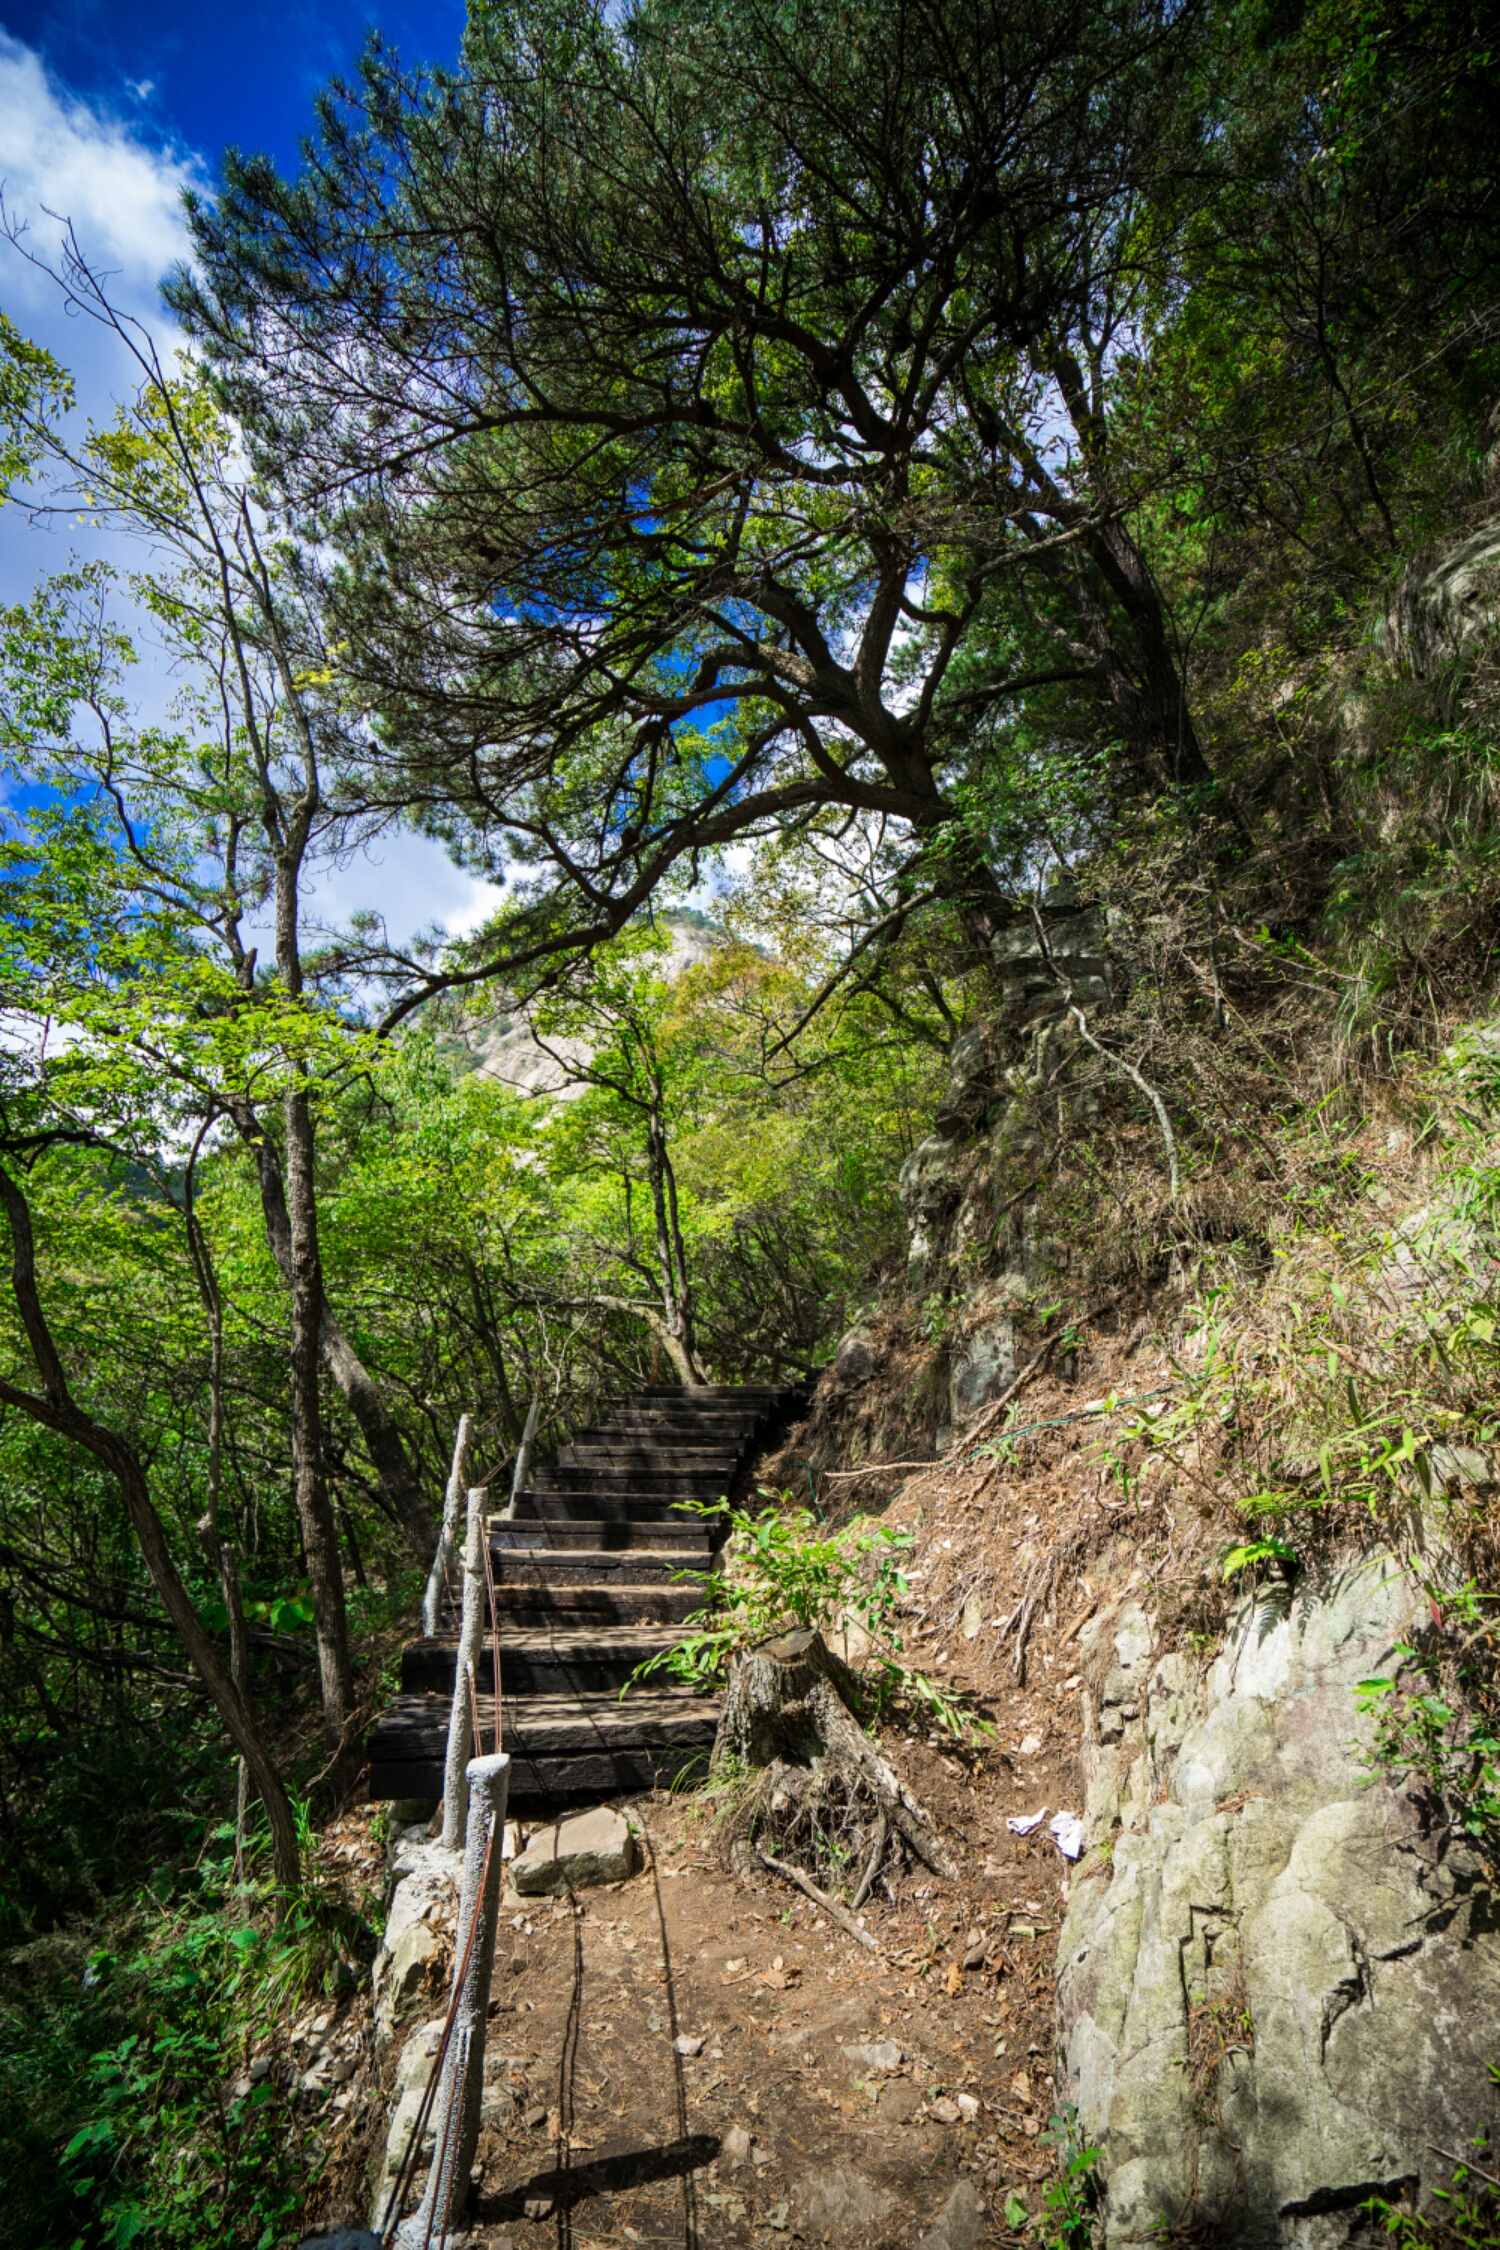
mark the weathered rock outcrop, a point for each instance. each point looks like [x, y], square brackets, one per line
[984, 1124]
[421, 1910]
[1279, 1978]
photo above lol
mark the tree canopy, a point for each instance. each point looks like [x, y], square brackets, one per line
[707, 409]
[724, 421]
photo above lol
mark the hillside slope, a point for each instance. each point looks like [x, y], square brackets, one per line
[1212, 1382]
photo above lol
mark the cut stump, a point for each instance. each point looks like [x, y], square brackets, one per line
[792, 1701]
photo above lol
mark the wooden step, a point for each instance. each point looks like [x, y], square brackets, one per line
[628, 1454]
[567, 1660]
[558, 1744]
[720, 1414]
[771, 1393]
[606, 1566]
[621, 1602]
[534, 1508]
[683, 1536]
[595, 1574]
[542, 1784]
[667, 1421]
[640, 1484]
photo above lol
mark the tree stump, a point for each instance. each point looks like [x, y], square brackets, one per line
[791, 1700]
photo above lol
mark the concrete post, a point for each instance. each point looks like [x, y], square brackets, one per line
[432, 1598]
[523, 1458]
[461, 1743]
[456, 2114]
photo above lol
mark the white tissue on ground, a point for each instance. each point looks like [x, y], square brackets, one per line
[1068, 1829]
[1023, 1823]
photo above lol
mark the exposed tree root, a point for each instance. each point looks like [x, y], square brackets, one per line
[820, 1899]
[830, 1800]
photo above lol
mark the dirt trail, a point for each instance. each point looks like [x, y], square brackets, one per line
[607, 2122]
[592, 2111]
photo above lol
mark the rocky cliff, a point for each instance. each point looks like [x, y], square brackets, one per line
[1279, 1978]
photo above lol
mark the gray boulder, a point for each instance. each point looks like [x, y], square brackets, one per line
[960, 2223]
[836, 2200]
[576, 1853]
[854, 1361]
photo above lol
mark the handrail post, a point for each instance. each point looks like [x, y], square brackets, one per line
[461, 1743]
[461, 2094]
[437, 1576]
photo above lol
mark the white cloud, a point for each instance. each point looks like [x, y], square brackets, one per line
[124, 197]
[60, 161]
[59, 155]
[412, 882]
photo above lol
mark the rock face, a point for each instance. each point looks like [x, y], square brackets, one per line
[418, 1927]
[1279, 1981]
[960, 2223]
[413, 2071]
[983, 1369]
[506, 1049]
[576, 1853]
[836, 2201]
[854, 1361]
[1443, 609]
[1078, 946]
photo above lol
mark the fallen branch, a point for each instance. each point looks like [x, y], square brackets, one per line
[1467, 2163]
[1079, 1622]
[819, 1898]
[880, 1469]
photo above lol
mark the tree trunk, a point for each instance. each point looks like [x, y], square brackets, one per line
[1161, 691]
[382, 1439]
[522, 1472]
[219, 1552]
[792, 1698]
[671, 1254]
[320, 1538]
[1153, 702]
[55, 1409]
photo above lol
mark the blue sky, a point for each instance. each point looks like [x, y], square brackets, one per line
[108, 110]
[203, 77]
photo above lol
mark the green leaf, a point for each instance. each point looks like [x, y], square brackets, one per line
[1258, 1551]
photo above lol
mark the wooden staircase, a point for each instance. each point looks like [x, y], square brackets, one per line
[585, 1591]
